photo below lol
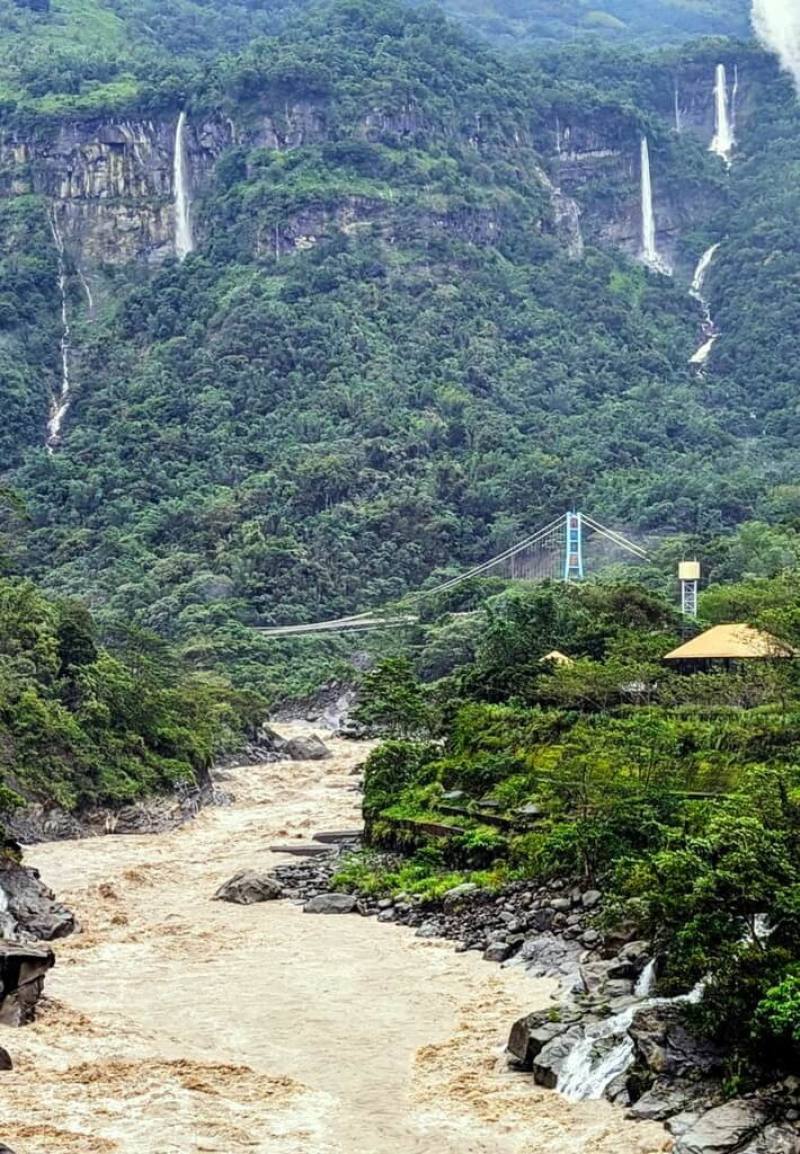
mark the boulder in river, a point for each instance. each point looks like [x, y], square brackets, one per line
[667, 1099]
[30, 908]
[549, 1062]
[331, 904]
[529, 1035]
[248, 887]
[22, 973]
[311, 748]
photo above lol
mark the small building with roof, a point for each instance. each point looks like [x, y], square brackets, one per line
[557, 658]
[727, 644]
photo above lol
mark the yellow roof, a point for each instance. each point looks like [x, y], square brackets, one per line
[557, 658]
[735, 642]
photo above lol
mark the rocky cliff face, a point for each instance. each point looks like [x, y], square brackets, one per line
[597, 164]
[110, 182]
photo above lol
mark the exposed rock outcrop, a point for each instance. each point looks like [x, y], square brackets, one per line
[665, 1045]
[110, 181]
[248, 887]
[22, 974]
[35, 822]
[310, 748]
[28, 909]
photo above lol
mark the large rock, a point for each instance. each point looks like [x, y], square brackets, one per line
[307, 749]
[725, 1129]
[22, 974]
[551, 956]
[454, 899]
[667, 1099]
[665, 1044]
[248, 887]
[775, 1139]
[331, 904]
[549, 1062]
[29, 908]
[529, 1035]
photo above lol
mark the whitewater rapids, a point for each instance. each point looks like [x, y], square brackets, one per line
[176, 1024]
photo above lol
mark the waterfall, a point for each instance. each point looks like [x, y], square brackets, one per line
[87, 290]
[777, 25]
[60, 402]
[678, 124]
[723, 141]
[591, 1066]
[647, 979]
[650, 254]
[709, 329]
[582, 1076]
[184, 242]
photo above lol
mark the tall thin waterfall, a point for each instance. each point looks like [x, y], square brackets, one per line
[723, 141]
[650, 254]
[60, 401]
[709, 329]
[678, 123]
[184, 241]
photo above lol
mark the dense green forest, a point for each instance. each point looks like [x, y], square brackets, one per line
[382, 363]
[654, 22]
[676, 793]
[86, 720]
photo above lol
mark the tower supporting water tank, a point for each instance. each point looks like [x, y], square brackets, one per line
[689, 577]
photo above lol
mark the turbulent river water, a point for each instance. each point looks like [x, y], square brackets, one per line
[177, 1024]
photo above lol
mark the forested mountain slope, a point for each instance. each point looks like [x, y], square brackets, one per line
[413, 325]
[653, 22]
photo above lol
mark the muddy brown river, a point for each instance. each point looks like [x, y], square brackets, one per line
[177, 1024]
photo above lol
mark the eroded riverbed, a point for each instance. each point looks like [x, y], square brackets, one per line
[176, 1024]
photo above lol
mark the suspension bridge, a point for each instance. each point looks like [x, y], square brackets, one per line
[564, 550]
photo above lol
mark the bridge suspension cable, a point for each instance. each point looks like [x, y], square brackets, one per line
[555, 551]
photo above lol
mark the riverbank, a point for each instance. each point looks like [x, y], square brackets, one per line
[177, 1024]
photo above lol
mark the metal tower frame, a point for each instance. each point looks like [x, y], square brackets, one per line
[573, 556]
[689, 577]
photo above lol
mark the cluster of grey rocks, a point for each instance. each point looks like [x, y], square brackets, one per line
[674, 1077]
[30, 916]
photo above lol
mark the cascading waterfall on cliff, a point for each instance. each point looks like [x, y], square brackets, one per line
[777, 25]
[709, 328]
[60, 402]
[184, 241]
[650, 253]
[723, 141]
